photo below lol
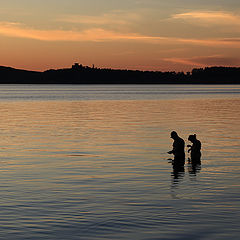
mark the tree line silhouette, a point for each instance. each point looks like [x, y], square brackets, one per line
[79, 74]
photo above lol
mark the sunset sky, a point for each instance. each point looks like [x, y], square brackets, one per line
[160, 35]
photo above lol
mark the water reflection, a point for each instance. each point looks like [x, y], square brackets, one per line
[194, 168]
[178, 173]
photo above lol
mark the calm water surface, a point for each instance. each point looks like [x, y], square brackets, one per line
[90, 162]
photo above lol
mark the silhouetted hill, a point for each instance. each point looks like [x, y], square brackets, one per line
[12, 75]
[79, 74]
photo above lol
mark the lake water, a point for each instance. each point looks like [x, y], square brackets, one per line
[90, 162]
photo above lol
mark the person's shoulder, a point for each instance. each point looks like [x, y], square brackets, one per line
[180, 139]
[198, 144]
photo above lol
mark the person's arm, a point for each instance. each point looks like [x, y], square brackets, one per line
[173, 150]
[190, 148]
[175, 147]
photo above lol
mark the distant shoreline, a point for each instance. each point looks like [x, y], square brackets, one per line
[79, 74]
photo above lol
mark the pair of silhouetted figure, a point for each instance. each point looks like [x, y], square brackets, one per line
[179, 150]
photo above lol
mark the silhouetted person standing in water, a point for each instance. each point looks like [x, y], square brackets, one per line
[178, 150]
[195, 149]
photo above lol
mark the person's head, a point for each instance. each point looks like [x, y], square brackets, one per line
[192, 138]
[174, 135]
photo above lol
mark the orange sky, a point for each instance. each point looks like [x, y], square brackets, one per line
[152, 35]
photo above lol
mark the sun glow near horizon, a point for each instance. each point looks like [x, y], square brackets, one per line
[153, 36]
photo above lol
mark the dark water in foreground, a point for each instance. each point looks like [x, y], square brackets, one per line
[89, 162]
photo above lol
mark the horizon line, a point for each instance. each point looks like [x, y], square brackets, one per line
[109, 68]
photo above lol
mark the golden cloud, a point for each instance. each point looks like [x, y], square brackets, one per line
[202, 61]
[93, 34]
[100, 34]
[210, 17]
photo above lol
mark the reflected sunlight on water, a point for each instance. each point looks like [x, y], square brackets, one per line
[99, 170]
